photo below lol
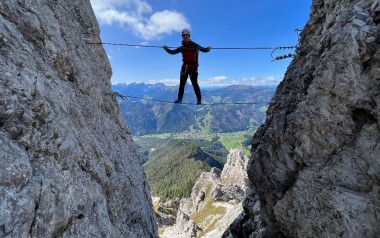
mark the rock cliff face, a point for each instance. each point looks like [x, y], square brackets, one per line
[69, 167]
[316, 160]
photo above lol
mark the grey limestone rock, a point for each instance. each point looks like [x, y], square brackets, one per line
[69, 167]
[316, 160]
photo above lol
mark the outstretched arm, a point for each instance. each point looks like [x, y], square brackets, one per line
[172, 52]
[203, 49]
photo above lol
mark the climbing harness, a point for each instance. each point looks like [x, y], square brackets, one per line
[189, 53]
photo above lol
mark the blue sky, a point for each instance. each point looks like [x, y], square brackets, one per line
[215, 23]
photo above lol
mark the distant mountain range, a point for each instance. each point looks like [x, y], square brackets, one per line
[155, 117]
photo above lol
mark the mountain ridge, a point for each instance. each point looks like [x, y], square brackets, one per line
[152, 117]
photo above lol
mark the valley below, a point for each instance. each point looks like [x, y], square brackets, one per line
[195, 157]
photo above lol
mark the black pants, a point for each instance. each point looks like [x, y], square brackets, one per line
[194, 82]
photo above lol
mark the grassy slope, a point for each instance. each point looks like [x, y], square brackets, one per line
[235, 141]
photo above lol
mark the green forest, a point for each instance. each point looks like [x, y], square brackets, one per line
[174, 165]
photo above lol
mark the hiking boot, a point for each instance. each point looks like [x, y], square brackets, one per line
[199, 102]
[178, 101]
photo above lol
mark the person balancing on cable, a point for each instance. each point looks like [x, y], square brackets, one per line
[189, 50]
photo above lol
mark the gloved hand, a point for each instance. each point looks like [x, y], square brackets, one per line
[209, 48]
[165, 47]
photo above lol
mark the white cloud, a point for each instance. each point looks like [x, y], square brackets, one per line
[168, 82]
[139, 17]
[215, 81]
[269, 80]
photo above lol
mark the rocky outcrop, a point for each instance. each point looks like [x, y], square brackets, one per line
[215, 202]
[69, 167]
[316, 160]
[166, 212]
